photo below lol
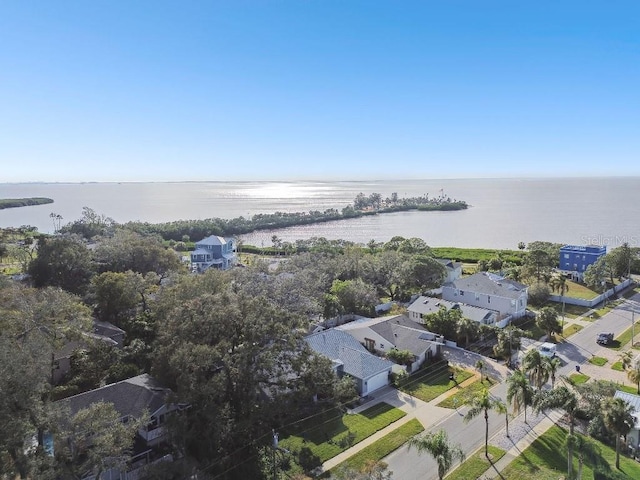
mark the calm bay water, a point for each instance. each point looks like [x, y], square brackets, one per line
[503, 212]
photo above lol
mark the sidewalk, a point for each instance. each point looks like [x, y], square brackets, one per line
[521, 445]
[427, 413]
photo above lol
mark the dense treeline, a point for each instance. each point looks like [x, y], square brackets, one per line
[363, 205]
[23, 202]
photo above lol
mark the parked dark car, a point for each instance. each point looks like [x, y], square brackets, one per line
[604, 338]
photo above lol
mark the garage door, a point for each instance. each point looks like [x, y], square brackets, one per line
[376, 382]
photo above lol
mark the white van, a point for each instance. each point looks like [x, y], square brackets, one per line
[548, 350]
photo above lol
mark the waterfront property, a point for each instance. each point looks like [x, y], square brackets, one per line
[574, 259]
[424, 306]
[491, 291]
[213, 252]
[351, 358]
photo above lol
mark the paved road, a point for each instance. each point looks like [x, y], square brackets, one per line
[407, 464]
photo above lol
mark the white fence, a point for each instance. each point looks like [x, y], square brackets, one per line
[594, 301]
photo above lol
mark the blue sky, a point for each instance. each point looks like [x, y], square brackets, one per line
[317, 89]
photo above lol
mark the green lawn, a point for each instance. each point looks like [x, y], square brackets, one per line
[546, 459]
[579, 378]
[476, 465]
[458, 398]
[618, 367]
[577, 290]
[628, 389]
[571, 329]
[599, 361]
[332, 432]
[384, 446]
[433, 381]
[572, 311]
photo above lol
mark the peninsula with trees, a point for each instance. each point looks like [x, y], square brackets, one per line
[23, 202]
[372, 204]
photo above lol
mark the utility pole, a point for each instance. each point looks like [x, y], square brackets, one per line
[275, 449]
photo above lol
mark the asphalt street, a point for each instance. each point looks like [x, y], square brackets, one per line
[408, 464]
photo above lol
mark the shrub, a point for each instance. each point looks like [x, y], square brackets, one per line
[539, 293]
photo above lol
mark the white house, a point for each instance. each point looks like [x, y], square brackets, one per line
[633, 437]
[395, 332]
[453, 270]
[424, 306]
[488, 290]
[213, 252]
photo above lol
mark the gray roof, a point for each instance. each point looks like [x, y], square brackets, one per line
[212, 240]
[130, 397]
[426, 305]
[106, 329]
[417, 341]
[488, 284]
[634, 401]
[340, 346]
[449, 263]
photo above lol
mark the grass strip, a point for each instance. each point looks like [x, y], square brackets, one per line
[617, 367]
[546, 459]
[476, 465]
[625, 337]
[459, 398]
[599, 361]
[383, 447]
[571, 329]
[579, 378]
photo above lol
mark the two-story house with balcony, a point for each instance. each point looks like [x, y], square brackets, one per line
[574, 259]
[213, 252]
[490, 291]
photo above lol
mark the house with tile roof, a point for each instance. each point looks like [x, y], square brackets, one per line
[351, 358]
[633, 437]
[424, 306]
[491, 291]
[213, 252]
[396, 332]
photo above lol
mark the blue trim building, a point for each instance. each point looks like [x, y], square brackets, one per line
[576, 258]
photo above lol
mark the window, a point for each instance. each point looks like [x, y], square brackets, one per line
[566, 255]
[477, 297]
[462, 293]
[488, 298]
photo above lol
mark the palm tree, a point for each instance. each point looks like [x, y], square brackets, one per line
[533, 364]
[582, 447]
[502, 408]
[626, 358]
[482, 402]
[633, 374]
[551, 365]
[438, 446]
[618, 418]
[559, 284]
[467, 328]
[566, 400]
[547, 320]
[519, 392]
